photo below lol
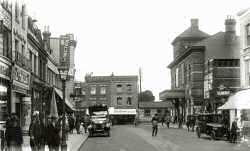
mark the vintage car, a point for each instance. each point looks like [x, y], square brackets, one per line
[99, 120]
[211, 125]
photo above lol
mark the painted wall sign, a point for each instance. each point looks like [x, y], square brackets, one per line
[21, 76]
[4, 70]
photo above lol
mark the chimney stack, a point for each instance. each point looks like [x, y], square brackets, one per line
[46, 38]
[230, 32]
[194, 24]
[230, 24]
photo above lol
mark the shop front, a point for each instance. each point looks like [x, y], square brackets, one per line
[122, 116]
[4, 91]
[20, 97]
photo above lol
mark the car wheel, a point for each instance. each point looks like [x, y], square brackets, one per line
[198, 132]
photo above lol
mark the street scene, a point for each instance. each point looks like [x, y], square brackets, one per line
[128, 138]
[134, 75]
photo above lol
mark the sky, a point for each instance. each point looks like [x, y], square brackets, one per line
[121, 36]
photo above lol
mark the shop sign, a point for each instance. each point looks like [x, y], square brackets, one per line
[221, 93]
[21, 76]
[4, 70]
[6, 18]
[122, 111]
[65, 54]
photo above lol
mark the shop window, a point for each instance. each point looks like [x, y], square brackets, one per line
[119, 100]
[147, 112]
[129, 101]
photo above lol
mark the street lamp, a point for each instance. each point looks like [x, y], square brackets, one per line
[64, 72]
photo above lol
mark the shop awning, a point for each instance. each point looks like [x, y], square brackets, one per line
[240, 100]
[60, 94]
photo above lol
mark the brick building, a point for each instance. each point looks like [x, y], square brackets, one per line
[118, 92]
[205, 71]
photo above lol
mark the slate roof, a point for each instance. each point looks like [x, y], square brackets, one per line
[191, 33]
[217, 48]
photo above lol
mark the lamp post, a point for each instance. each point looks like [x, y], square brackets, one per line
[63, 71]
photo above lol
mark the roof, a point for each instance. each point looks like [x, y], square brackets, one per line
[162, 104]
[173, 93]
[191, 33]
[217, 47]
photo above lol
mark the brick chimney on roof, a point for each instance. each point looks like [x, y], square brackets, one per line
[230, 32]
[194, 24]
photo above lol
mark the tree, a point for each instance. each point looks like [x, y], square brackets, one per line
[146, 96]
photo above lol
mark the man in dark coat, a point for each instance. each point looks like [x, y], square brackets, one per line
[13, 134]
[234, 131]
[53, 136]
[155, 121]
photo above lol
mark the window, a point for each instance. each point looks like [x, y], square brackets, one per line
[119, 100]
[16, 45]
[103, 90]
[35, 64]
[129, 101]
[129, 87]
[6, 45]
[93, 90]
[119, 88]
[177, 77]
[248, 34]
[23, 50]
[158, 111]
[17, 13]
[147, 112]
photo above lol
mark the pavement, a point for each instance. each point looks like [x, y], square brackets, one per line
[74, 142]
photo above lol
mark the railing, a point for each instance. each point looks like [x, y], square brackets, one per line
[22, 61]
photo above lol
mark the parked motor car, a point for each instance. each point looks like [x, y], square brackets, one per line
[212, 125]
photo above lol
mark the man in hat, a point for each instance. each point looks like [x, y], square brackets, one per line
[53, 136]
[234, 131]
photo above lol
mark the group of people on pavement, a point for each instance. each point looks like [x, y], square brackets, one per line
[41, 132]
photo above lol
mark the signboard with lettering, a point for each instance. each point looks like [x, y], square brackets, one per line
[4, 70]
[65, 54]
[220, 93]
[21, 76]
[113, 111]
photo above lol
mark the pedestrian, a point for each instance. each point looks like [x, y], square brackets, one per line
[86, 122]
[155, 121]
[234, 128]
[53, 136]
[167, 120]
[37, 133]
[71, 123]
[162, 120]
[78, 123]
[13, 135]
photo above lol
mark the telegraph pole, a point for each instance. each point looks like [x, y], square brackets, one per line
[140, 90]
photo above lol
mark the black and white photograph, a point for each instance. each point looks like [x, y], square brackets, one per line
[124, 75]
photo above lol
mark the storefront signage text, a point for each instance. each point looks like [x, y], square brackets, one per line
[21, 76]
[223, 92]
[4, 70]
